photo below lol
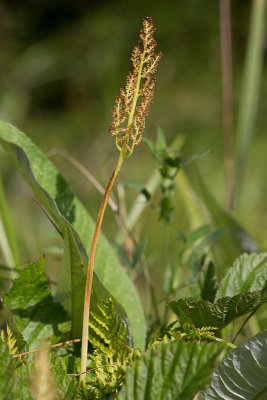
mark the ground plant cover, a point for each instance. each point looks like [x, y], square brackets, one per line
[103, 329]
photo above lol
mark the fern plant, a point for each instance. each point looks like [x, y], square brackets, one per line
[9, 339]
[111, 355]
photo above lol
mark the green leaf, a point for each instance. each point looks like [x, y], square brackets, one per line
[7, 371]
[195, 235]
[14, 382]
[161, 145]
[210, 284]
[172, 371]
[66, 385]
[30, 307]
[249, 273]
[139, 188]
[225, 310]
[242, 374]
[65, 209]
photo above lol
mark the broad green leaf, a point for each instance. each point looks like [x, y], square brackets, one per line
[14, 382]
[172, 371]
[30, 307]
[7, 372]
[225, 310]
[242, 374]
[65, 209]
[249, 273]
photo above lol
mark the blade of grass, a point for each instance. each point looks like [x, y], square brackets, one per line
[8, 239]
[249, 91]
[4, 245]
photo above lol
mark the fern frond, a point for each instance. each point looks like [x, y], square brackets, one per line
[85, 393]
[111, 355]
[186, 332]
[190, 332]
[9, 340]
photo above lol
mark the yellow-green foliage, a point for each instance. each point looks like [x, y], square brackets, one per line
[111, 355]
[9, 340]
[185, 332]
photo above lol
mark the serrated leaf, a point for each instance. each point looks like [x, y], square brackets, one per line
[64, 208]
[249, 273]
[242, 374]
[219, 314]
[172, 371]
[30, 307]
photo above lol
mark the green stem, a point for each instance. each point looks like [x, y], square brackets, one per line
[89, 278]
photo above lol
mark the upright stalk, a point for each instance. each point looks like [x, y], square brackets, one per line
[131, 107]
[89, 278]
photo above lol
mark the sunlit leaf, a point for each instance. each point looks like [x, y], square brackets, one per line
[242, 374]
[65, 209]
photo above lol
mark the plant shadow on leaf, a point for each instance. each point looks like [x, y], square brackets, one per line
[64, 199]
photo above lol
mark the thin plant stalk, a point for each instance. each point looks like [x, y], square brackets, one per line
[131, 107]
[89, 278]
[227, 100]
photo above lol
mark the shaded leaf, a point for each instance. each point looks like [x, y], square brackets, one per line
[209, 286]
[219, 314]
[14, 382]
[172, 371]
[242, 374]
[29, 307]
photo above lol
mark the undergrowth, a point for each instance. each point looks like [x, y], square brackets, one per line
[192, 333]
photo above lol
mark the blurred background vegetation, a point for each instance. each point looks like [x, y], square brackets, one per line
[62, 64]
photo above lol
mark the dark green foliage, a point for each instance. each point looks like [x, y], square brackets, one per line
[210, 284]
[225, 310]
